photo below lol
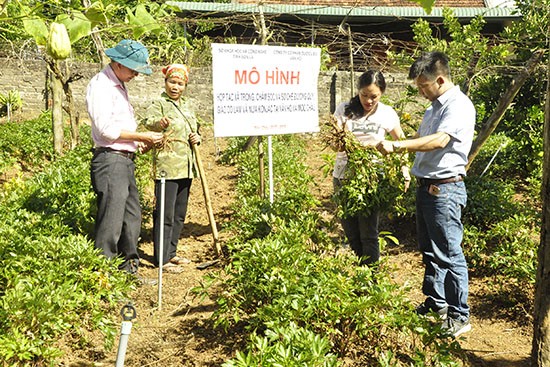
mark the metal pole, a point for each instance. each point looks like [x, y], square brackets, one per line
[261, 166]
[270, 167]
[493, 158]
[350, 44]
[128, 313]
[161, 235]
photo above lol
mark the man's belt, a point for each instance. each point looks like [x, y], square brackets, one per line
[124, 153]
[438, 181]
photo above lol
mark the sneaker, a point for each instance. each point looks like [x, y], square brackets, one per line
[176, 260]
[172, 268]
[456, 327]
[424, 310]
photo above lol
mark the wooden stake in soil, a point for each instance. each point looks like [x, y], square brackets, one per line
[206, 192]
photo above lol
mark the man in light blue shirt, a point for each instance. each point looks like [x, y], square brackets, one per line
[442, 144]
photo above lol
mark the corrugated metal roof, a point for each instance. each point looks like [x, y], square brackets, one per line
[351, 3]
[350, 13]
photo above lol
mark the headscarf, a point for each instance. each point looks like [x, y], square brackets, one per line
[178, 71]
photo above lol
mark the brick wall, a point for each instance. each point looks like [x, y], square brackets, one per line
[29, 78]
[369, 3]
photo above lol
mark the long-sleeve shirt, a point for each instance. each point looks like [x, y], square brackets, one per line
[110, 111]
[175, 157]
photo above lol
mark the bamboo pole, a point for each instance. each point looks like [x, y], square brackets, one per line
[206, 192]
[504, 102]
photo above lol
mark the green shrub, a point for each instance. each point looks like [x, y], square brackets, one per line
[513, 245]
[371, 181]
[291, 182]
[286, 346]
[495, 159]
[234, 148]
[28, 143]
[10, 102]
[64, 190]
[53, 282]
[489, 201]
[507, 248]
[291, 281]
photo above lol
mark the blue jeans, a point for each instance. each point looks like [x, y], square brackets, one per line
[440, 232]
[362, 232]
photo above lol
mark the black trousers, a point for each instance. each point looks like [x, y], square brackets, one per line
[118, 219]
[176, 197]
[362, 232]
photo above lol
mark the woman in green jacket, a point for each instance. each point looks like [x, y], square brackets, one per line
[173, 160]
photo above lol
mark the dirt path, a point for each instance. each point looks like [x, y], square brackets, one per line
[181, 334]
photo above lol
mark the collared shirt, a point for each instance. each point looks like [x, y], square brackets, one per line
[175, 157]
[368, 130]
[452, 113]
[110, 111]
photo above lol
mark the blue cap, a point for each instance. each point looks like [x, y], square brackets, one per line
[131, 54]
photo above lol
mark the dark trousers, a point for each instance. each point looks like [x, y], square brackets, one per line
[118, 219]
[362, 232]
[176, 197]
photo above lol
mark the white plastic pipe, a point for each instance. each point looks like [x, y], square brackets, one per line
[128, 313]
[126, 328]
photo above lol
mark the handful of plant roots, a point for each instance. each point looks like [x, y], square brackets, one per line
[167, 142]
[371, 180]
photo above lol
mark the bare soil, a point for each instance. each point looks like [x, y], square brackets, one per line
[180, 333]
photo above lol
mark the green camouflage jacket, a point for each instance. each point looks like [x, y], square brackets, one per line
[175, 156]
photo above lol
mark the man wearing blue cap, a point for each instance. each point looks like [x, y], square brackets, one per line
[118, 220]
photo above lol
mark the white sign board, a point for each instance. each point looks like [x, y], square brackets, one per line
[264, 90]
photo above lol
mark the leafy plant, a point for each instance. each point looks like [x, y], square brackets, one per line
[489, 201]
[286, 346]
[26, 145]
[293, 282]
[371, 180]
[10, 102]
[252, 213]
[44, 223]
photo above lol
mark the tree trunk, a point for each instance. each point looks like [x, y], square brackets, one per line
[57, 111]
[96, 38]
[540, 354]
[74, 115]
[503, 104]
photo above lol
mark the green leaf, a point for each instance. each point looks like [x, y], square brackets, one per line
[142, 22]
[78, 26]
[37, 28]
[96, 14]
[426, 4]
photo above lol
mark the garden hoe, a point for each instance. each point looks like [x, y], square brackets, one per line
[206, 192]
